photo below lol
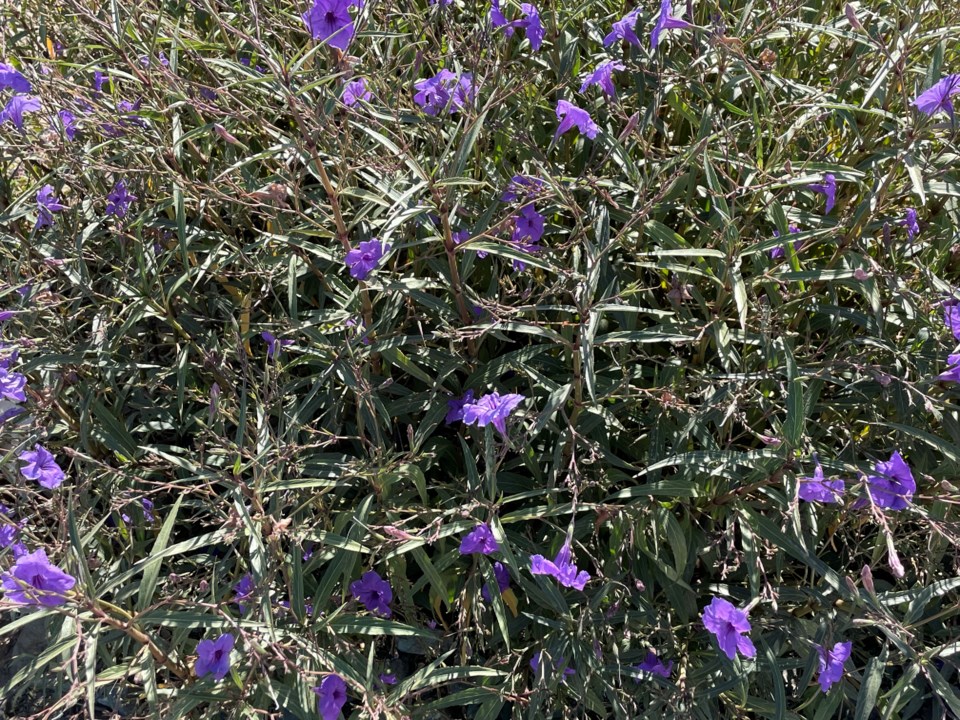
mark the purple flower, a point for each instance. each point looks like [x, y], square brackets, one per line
[729, 623]
[528, 225]
[331, 696]
[654, 666]
[952, 374]
[47, 204]
[831, 664]
[829, 188]
[530, 23]
[363, 259]
[571, 116]
[12, 385]
[147, 505]
[16, 107]
[778, 252]
[893, 485]
[937, 97]
[559, 663]
[391, 678]
[603, 76]
[527, 231]
[99, 79]
[12, 79]
[213, 657]
[491, 408]
[34, 581]
[624, 29]
[69, 122]
[274, 346]
[330, 21]
[910, 221]
[354, 92]
[374, 592]
[502, 576]
[951, 317]
[816, 489]
[444, 91]
[42, 467]
[561, 568]
[243, 591]
[455, 407]
[522, 186]
[479, 540]
[8, 531]
[666, 21]
[118, 200]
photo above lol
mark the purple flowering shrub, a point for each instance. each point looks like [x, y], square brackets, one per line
[443, 360]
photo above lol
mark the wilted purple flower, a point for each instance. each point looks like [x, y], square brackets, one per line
[937, 97]
[910, 221]
[42, 467]
[147, 505]
[561, 568]
[778, 252]
[666, 21]
[330, 21]
[374, 592]
[952, 374]
[522, 186]
[274, 346]
[729, 624]
[455, 407]
[624, 29]
[491, 408]
[571, 116]
[34, 581]
[213, 657]
[47, 204]
[893, 485]
[243, 591]
[99, 79]
[951, 317]
[444, 91]
[603, 76]
[69, 122]
[12, 385]
[829, 188]
[816, 489]
[363, 259]
[13, 79]
[479, 540]
[654, 666]
[354, 92]
[502, 576]
[831, 664]
[331, 696]
[16, 107]
[118, 200]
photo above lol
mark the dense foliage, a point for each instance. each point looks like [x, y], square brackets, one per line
[642, 316]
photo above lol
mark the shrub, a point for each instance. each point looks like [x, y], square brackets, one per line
[438, 360]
